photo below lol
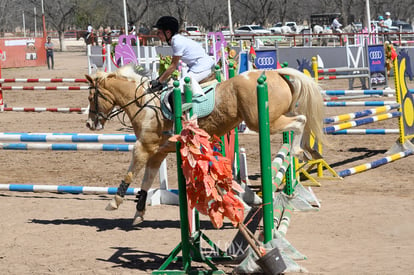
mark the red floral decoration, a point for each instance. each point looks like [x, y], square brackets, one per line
[208, 175]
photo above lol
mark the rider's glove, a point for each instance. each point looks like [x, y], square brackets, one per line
[156, 85]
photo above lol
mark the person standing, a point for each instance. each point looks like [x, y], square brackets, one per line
[49, 53]
[199, 63]
[387, 25]
[131, 28]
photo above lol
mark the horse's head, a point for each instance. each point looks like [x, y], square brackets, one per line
[101, 103]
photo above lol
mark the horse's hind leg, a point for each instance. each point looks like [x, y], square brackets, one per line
[293, 123]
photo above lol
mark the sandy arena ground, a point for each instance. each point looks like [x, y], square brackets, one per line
[365, 224]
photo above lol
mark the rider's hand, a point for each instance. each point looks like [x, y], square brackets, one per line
[156, 85]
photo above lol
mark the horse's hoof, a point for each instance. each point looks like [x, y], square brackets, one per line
[114, 203]
[138, 218]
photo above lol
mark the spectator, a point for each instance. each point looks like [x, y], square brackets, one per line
[49, 53]
[385, 25]
[131, 28]
[106, 36]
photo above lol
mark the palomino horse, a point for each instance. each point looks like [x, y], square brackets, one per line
[89, 40]
[295, 103]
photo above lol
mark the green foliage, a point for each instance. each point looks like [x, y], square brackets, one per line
[165, 63]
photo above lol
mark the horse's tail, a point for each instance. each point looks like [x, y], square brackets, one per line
[307, 100]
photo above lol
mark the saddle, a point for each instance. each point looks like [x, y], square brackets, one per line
[202, 105]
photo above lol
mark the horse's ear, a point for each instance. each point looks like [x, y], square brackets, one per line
[89, 78]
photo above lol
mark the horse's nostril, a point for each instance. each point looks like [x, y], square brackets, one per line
[89, 124]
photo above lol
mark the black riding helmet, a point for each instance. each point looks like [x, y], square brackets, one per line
[165, 23]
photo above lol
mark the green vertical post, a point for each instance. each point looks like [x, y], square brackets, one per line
[218, 73]
[188, 93]
[188, 96]
[222, 138]
[231, 70]
[236, 132]
[182, 191]
[265, 158]
[291, 171]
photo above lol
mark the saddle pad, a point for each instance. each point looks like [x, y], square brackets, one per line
[202, 106]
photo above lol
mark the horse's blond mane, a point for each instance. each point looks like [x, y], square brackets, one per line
[131, 74]
[127, 72]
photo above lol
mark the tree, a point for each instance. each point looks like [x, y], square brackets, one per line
[58, 15]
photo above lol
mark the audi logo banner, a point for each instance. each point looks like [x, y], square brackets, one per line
[376, 61]
[376, 58]
[266, 60]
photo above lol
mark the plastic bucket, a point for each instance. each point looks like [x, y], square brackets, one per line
[272, 262]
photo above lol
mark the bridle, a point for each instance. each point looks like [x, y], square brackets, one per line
[115, 112]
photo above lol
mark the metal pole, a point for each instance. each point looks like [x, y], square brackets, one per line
[368, 17]
[35, 25]
[230, 19]
[125, 18]
[44, 22]
[24, 26]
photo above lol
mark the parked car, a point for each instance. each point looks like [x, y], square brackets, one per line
[405, 27]
[251, 29]
[115, 32]
[193, 30]
[292, 26]
[225, 31]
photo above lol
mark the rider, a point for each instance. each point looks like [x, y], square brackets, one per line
[199, 64]
[336, 25]
[89, 31]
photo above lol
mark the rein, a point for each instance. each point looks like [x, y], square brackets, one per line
[116, 112]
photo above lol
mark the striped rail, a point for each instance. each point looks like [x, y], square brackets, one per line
[70, 189]
[329, 77]
[374, 164]
[350, 124]
[48, 80]
[65, 137]
[366, 132]
[67, 147]
[46, 109]
[358, 92]
[358, 103]
[47, 88]
[65, 189]
[346, 117]
[342, 69]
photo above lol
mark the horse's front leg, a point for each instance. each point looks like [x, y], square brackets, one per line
[139, 159]
[135, 166]
[151, 170]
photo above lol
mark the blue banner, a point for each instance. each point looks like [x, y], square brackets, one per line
[376, 58]
[376, 62]
[266, 60]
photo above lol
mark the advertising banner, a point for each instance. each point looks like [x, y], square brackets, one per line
[376, 61]
[22, 52]
[266, 59]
